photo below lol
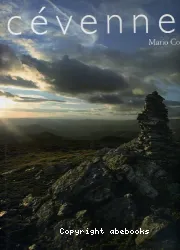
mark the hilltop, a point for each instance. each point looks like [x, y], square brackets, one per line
[134, 186]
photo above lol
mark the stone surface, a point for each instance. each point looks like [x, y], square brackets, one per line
[65, 209]
[162, 234]
[155, 137]
[45, 213]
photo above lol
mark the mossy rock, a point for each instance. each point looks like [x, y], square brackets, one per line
[161, 235]
[82, 216]
[113, 162]
[89, 182]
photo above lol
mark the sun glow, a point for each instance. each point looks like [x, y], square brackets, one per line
[5, 103]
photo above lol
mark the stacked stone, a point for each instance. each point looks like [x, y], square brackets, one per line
[155, 138]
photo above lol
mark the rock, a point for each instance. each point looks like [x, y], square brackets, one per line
[45, 213]
[29, 169]
[102, 152]
[174, 190]
[13, 212]
[57, 169]
[119, 177]
[32, 247]
[98, 195]
[4, 202]
[65, 241]
[81, 215]
[39, 174]
[27, 201]
[137, 177]
[65, 209]
[83, 219]
[2, 213]
[54, 169]
[3, 239]
[152, 168]
[49, 170]
[88, 183]
[155, 137]
[115, 213]
[161, 234]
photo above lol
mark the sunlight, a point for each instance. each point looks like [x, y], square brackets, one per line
[11, 127]
[5, 103]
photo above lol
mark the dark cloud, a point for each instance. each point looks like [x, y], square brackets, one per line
[17, 82]
[8, 59]
[174, 111]
[91, 83]
[75, 78]
[172, 103]
[6, 94]
[154, 62]
[105, 99]
[159, 60]
[133, 95]
[12, 71]
[136, 105]
[27, 99]
[36, 100]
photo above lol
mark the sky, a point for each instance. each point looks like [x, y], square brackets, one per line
[87, 76]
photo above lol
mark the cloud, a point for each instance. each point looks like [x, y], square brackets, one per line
[145, 70]
[105, 99]
[16, 82]
[91, 83]
[147, 62]
[125, 9]
[74, 31]
[136, 105]
[6, 94]
[112, 78]
[8, 59]
[93, 73]
[16, 74]
[9, 9]
[35, 100]
[123, 84]
[46, 48]
[69, 76]
[32, 47]
[27, 99]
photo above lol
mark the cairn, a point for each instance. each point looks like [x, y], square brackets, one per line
[155, 139]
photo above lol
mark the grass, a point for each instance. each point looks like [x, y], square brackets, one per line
[25, 168]
[44, 159]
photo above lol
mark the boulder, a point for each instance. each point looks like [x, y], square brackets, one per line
[45, 213]
[161, 234]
